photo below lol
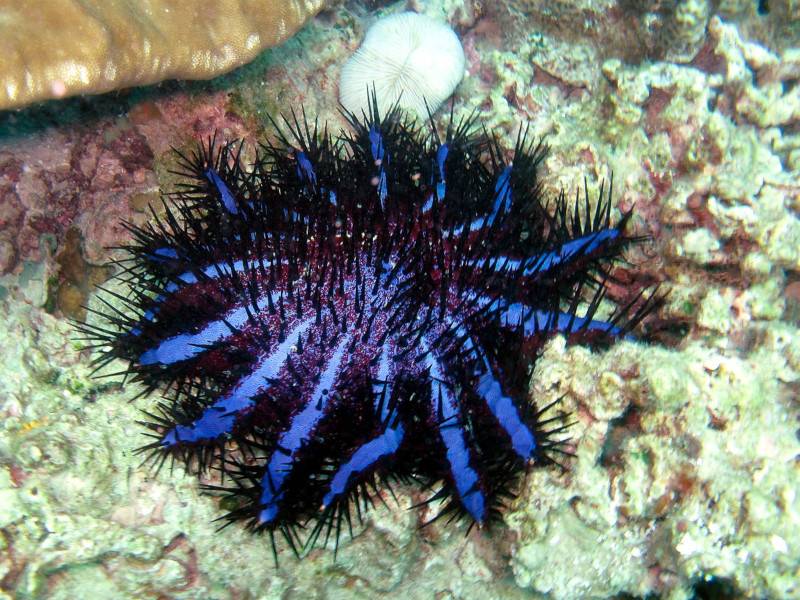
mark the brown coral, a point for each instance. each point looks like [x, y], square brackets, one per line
[56, 48]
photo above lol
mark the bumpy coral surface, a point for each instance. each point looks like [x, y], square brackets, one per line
[57, 48]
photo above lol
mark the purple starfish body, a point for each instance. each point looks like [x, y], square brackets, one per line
[359, 307]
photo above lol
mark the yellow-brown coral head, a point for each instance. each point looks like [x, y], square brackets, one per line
[56, 48]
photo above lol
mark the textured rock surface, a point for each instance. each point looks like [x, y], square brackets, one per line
[57, 48]
[685, 477]
[686, 470]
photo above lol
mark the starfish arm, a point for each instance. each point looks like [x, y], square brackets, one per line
[582, 246]
[538, 321]
[185, 346]
[452, 432]
[542, 264]
[504, 410]
[365, 457]
[220, 416]
[381, 158]
[363, 460]
[214, 271]
[225, 194]
[302, 425]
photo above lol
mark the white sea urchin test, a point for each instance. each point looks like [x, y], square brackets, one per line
[406, 56]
